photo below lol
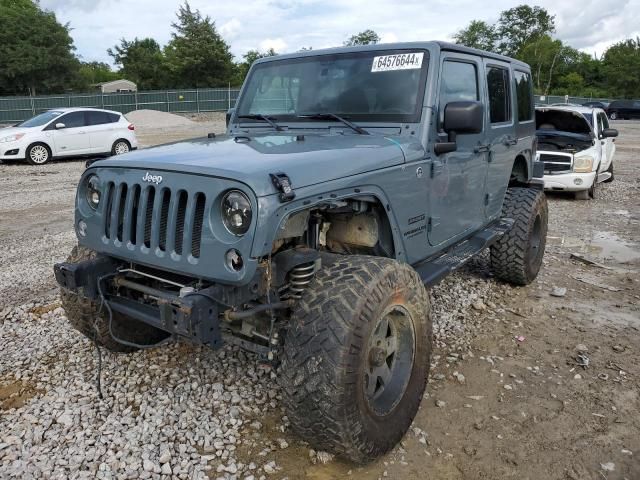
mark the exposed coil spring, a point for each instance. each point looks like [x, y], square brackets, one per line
[299, 279]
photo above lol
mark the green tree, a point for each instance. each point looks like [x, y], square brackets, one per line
[519, 26]
[197, 55]
[36, 51]
[366, 37]
[142, 62]
[242, 69]
[621, 68]
[571, 84]
[92, 73]
[547, 57]
[478, 34]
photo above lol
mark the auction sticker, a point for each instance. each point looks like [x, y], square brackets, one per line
[400, 61]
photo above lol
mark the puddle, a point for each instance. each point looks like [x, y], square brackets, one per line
[602, 245]
[618, 212]
[609, 246]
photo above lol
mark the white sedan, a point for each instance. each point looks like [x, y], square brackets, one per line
[577, 147]
[68, 132]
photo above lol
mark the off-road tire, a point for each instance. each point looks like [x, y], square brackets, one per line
[517, 256]
[86, 316]
[327, 351]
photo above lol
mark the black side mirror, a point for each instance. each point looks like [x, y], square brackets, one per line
[229, 115]
[609, 133]
[460, 118]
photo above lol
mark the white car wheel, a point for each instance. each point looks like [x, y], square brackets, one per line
[120, 147]
[38, 154]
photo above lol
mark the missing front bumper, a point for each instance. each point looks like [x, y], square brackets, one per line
[194, 315]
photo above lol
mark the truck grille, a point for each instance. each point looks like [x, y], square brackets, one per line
[556, 162]
[154, 217]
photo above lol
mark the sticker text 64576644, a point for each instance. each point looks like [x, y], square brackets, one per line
[400, 61]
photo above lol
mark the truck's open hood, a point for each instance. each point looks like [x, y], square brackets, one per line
[307, 160]
[562, 119]
[559, 129]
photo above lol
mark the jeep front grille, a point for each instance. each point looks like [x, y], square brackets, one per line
[556, 162]
[154, 217]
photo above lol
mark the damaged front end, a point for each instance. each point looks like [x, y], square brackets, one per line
[566, 145]
[197, 310]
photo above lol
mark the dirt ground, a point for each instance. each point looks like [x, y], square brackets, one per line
[549, 386]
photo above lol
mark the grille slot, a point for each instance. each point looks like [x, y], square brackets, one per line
[132, 213]
[164, 218]
[122, 201]
[148, 215]
[180, 218]
[197, 225]
[144, 215]
[107, 211]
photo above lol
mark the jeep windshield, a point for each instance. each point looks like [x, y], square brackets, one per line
[366, 86]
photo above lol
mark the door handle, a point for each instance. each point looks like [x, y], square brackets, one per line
[482, 148]
[510, 141]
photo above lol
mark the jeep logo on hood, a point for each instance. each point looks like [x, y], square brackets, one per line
[157, 179]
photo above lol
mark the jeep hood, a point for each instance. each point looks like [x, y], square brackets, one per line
[306, 159]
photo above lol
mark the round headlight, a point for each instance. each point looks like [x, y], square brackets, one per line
[236, 212]
[93, 191]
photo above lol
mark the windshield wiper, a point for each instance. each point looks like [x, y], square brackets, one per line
[333, 116]
[264, 118]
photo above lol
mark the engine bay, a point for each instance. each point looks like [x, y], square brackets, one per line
[563, 131]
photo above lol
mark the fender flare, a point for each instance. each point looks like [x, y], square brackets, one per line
[266, 235]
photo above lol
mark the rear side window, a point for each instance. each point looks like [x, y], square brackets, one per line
[98, 118]
[499, 94]
[459, 83]
[113, 117]
[524, 96]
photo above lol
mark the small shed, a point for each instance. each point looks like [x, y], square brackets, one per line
[115, 86]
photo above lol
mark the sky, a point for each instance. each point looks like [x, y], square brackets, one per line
[289, 25]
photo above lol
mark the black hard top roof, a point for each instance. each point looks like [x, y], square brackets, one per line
[443, 46]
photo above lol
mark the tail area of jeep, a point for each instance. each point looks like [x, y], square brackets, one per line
[348, 182]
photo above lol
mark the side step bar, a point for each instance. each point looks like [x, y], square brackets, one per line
[435, 269]
[604, 176]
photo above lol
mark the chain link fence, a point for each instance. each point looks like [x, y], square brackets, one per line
[16, 109]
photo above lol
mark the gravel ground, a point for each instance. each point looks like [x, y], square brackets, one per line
[156, 119]
[182, 411]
